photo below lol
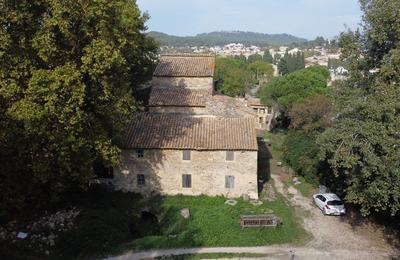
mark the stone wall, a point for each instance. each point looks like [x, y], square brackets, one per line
[163, 171]
[199, 83]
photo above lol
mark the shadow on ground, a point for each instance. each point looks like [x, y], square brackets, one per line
[388, 226]
[263, 167]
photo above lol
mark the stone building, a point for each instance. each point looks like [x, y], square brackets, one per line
[265, 115]
[190, 141]
[178, 154]
[195, 72]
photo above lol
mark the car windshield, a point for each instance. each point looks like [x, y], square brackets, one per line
[335, 203]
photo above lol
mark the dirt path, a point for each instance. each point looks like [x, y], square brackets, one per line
[331, 233]
[272, 252]
[334, 238]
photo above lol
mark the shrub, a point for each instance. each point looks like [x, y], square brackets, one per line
[300, 152]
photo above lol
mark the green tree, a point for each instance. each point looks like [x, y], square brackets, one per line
[267, 57]
[67, 70]
[307, 119]
[254, 57]
[363, 145]
[233, 76]
[313, 115]
[283, 65]
[300, 151]
[319, 41]
[291, 62]
[283, 92]
[261, 70]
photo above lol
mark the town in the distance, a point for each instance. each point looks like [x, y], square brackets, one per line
[324, 52]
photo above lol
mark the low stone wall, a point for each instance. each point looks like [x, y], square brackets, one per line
[163, 170]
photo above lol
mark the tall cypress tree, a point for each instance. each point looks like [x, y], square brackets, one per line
[283, 64]
[268, 57]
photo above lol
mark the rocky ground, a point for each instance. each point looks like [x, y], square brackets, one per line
[40, 234]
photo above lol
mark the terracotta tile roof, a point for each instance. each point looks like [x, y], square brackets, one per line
[254, 102]
[224, 106]
[168, 131]
[178, 97]
[185, 66]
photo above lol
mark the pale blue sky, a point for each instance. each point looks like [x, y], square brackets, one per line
[303, 18]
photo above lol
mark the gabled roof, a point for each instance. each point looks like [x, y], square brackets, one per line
[178, 97]
[185, 65]
[224, 106]
[171, 131]
[254, 102]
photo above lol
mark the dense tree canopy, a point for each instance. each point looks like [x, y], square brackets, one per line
[232, 76]
[291, 62]
[302, 98]
[313, 115]
[261, 70]
[67, 70]
[300, 151]
[236, 75]
[254, 57]
[363, 146]
[283, 92]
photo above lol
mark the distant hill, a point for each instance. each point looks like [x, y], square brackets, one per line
[223, 37]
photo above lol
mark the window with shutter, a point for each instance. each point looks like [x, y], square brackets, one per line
[140, 153]
[229, 182]
[186, 181]
[186, 155]
[230, 155]
[141, 180]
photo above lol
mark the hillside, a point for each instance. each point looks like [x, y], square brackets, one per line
[222, 38]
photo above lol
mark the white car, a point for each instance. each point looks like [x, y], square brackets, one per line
[330, 204]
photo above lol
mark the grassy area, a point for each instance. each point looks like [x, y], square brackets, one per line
[212, 256]
[111, 223]
[213, 223]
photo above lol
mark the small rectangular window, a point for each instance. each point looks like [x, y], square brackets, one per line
[186, 181]
[186, 155]
[229, 182]
[141, 180]
[140, 153]
[230, 155]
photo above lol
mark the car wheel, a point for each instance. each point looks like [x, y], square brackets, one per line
[324, 212]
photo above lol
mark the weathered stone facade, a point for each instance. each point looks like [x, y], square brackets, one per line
[163, 170]
[195, 83]
[265, 117]
[184, 116]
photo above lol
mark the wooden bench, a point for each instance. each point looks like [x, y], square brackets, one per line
[266, 220]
